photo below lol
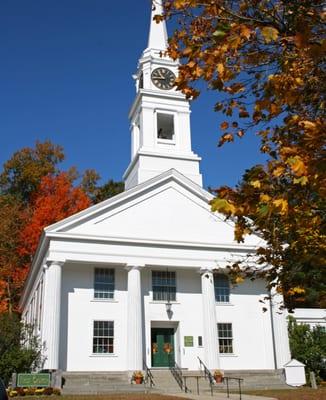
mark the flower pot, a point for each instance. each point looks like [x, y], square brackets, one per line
[139, 381]
[218, 378]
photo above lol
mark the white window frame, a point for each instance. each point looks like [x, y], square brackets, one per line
[108, 337]
[215, 276]
[176, 287]
[161, 140]
[95, 298]
[225, 338]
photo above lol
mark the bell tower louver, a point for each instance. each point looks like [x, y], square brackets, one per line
[160, 115]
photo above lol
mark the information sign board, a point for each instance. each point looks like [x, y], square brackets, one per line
[189, 341]
[34, 380]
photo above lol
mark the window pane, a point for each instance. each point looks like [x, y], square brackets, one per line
[225, 338]
[165, 126]
[103, 283]
[222, 288]
[164, 285]
[103, 337]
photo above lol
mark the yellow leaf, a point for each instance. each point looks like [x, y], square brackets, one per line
[303, 180]
[227, 137]
[255, 184]
[223, 205]
[239, 279]
[245, 31]
[264, 198]
[269, 33]
[220, 68]
[308, 124]
[278, 171]
[296, 290]
[187, 51]
[282, 204]
[179, 4]
[299, 290]
[297, 165]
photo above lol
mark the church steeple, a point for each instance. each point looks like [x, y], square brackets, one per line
[160, 115]
[158, 37]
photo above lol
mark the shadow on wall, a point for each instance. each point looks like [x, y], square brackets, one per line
[83, 284]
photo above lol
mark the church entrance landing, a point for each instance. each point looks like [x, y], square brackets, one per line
[163, 347]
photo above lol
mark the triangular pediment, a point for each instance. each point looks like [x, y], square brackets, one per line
[169, 207]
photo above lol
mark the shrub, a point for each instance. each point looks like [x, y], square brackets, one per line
[308, 346]
[20, 350]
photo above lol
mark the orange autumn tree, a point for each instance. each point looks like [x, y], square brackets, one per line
[266, 60]
[33, 194]
[19, 179]
[55, 200]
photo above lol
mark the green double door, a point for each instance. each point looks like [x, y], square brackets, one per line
[162, 347]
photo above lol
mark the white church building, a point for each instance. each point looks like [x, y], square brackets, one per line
[142, 276]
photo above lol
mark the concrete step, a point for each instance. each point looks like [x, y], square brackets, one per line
[252, 379]
[98, 383]
[109, 382]
[104, 390]
[165, 382]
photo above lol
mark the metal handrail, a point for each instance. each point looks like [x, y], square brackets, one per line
[210, 377]
[227, 378]
[207, 374]
[177, 374]
[148, 375]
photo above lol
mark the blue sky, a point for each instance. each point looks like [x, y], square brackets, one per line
[65, 75]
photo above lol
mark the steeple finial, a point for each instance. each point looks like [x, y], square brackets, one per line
[158, 38]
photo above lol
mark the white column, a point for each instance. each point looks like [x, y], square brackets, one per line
[210, 339]
[134, 322]
[280, 330]
[51, 314]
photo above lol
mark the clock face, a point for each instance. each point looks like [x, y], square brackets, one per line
[163, 78]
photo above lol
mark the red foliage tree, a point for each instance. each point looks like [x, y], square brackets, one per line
[55, 200]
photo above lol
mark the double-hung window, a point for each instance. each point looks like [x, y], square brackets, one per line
[103, 337]
[164, 285]
[225, 338]
[103, 283]
[222, 288]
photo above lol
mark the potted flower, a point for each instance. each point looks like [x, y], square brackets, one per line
[218, 376]
[138, 377]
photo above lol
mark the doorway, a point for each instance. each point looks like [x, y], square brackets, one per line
[163, 348]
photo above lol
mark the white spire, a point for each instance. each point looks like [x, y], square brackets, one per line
[158, 38]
